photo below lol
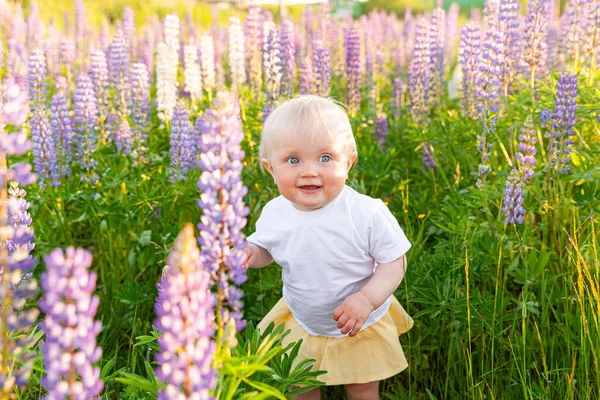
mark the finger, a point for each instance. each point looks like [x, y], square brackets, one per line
[356, 328]
[348, 327]
[337, 312]
[342, 320]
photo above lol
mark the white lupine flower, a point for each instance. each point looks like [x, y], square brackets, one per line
[236, 52]
[207, 62]
[166, 89]
[171, 32]
[167, 63]
[191, 72]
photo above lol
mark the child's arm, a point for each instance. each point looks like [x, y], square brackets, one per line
[384, 282]
[356, 308]
[256, 256]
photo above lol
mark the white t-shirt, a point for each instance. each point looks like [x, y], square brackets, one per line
[329, 254]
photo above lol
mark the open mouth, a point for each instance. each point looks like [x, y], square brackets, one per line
[310, 188]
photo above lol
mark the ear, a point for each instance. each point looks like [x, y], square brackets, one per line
[267, 166]
[351, 159]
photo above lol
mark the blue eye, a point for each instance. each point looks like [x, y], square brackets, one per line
[293, 160]
[325, 158]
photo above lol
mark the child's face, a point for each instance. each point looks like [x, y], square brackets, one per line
[310, 175]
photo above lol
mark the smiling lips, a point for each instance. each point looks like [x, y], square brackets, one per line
[309, 188]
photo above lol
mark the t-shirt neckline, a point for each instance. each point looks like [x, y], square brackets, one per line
[290, 207]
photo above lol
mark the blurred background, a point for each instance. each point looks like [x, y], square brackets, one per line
[202, 11]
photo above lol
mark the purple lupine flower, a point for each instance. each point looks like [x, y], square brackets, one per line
[288, 58]
[104, 36]
[322, 66]
[118, 66]
[508, 25]
[379, 74]
[527, 149]
[85, 122]
[369, 60]
[397, 93]
[207, 64]
[139, 107]
[513, 209]
[271, 67]
[381, 128]
[16, 284]
[353, 70]
[427, 156]
[185, 319]
[307, 79]
[419, 73]
[51, 46]
[146, 51]
[307, 23]
[122, 137]
[44, 150]
[487, 83]
[129, 30]
[69, 347]
[469, 56]
[183, 149]
[545, 116]
[437, 53]
[563, 123]
[237, 58]
[535, 32]
[67, 53]
[551, 53]
[36, 77]
[591, 45]
[253, 33]
[13, 108]
[572, 30]
[192, 76]
[222, 203]
[99, 76]
[486, 93]
[16, 62]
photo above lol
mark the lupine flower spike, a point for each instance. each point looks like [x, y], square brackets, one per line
[563, 122]
[527, 149]
[513, 199]
[222, 204]
[16, 284]
[69, 348]
[185, 319]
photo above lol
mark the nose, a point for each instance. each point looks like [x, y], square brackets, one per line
[310, 169]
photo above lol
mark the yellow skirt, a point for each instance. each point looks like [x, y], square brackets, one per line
[373, 354]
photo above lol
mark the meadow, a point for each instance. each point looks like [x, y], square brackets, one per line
[480, 131]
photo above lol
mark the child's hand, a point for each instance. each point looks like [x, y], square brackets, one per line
[250, 251]
[352, 313]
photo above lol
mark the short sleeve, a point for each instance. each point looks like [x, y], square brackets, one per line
[259, 236]
[387, 241]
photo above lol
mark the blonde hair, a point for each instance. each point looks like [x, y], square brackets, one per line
[306, 118]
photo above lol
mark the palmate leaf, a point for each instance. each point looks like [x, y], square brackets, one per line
[284, 376]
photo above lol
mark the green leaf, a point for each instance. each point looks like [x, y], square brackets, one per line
[263, 387]
[137, 381]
